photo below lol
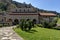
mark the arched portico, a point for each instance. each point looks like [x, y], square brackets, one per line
[34, 20]
[16, 21]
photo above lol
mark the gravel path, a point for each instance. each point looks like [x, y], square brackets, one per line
[6, 33]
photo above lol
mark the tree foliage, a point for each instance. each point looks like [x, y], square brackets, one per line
[3, 6]
[26, 25]
[51, 24]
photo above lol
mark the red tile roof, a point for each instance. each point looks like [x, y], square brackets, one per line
[47, 14]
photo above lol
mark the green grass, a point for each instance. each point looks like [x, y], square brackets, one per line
[39, 34]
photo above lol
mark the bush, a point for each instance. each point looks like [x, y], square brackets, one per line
[22, 24]
[50, 24]
[1, 25]
[45, 24]
[39, 25]
[3, 6]
[26, 25]
[30, 25]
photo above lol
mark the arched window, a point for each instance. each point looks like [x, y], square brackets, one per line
[34, 21]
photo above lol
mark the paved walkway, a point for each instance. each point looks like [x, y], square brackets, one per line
[6, 33]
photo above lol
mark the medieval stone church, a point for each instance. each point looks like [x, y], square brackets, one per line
[25, 11]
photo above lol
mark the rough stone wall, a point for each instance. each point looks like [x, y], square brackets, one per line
[19, 17]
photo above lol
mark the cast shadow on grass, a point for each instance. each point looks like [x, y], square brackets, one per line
[31, 31]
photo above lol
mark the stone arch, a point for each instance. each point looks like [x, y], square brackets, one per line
[16, 21]
[9, 20]
[34, 21]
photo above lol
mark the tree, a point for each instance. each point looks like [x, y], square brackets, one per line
[30, 25]
[26, 25]
[22, 24]
[51, 24]
[3, 6]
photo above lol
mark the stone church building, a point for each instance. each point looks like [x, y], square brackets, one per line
[24, 12]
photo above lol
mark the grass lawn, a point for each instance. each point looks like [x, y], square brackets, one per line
[39, 34]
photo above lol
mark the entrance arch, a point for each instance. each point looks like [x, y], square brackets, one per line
[34, 21]
[10, 20]
[16, 21]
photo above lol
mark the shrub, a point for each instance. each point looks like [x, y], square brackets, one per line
[45, 24]
[26, 25]
[3, 6]
[50, 24]
[30, 25]
[1, 25]
[57, 28]
[39, 25]
[22, 21]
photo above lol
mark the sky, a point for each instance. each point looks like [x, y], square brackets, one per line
[52, 5]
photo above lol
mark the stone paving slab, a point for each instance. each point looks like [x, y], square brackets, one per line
[6, 33]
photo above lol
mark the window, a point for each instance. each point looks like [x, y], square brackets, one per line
[20, 10]
[28, 10]
[16, 10]
[24, 10]
[34, 21]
